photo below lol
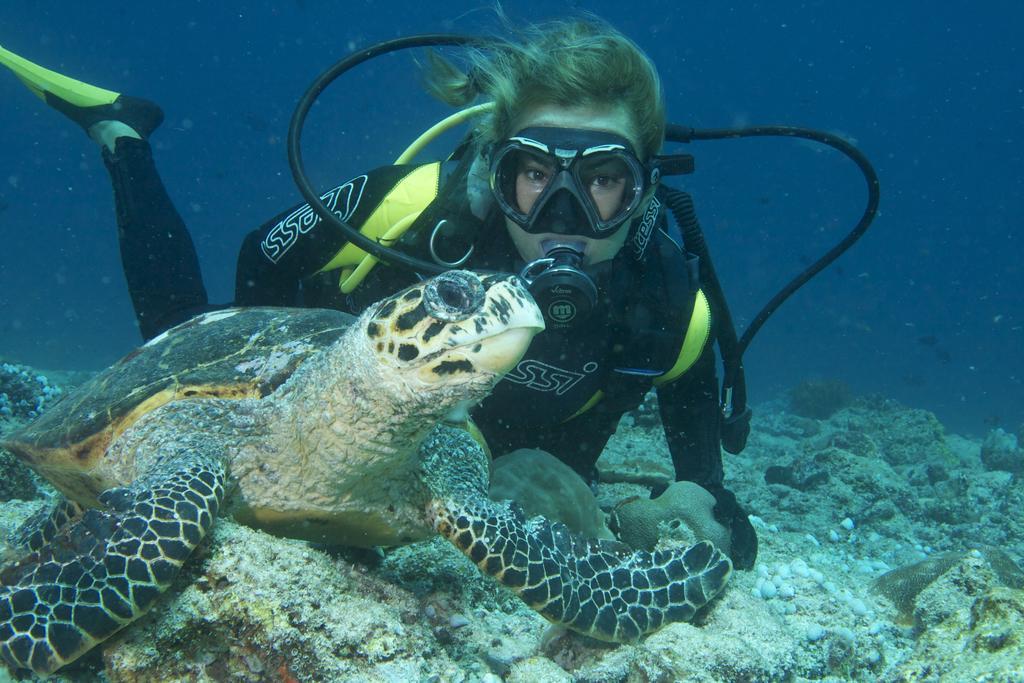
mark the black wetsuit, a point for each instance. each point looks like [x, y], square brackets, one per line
[534, 406]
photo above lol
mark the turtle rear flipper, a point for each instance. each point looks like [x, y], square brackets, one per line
[598, 588]
[101, 572]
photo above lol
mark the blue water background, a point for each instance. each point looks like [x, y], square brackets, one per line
[927, 308]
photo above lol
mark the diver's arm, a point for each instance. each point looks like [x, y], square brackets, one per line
[692, 422]
[275, 257]
[296, 244]
[690, 415]
[257, 281]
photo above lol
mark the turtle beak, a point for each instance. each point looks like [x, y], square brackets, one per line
[498, 335]
[505, 349]
[507, 307]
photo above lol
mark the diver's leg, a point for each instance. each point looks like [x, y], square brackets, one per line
[103, 114]
[157, 252]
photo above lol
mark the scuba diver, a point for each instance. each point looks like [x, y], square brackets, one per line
[559, 181]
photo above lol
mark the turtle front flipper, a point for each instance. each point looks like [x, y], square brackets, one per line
[101, 572]
[44, 525]
[598, 588]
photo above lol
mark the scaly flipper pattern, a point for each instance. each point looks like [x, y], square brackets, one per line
[598, 588]
[103, 571]
[592, 587]
[42, 527]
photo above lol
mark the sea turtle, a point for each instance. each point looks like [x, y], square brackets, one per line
[314, 425]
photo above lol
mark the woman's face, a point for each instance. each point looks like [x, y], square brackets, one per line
[606, 186]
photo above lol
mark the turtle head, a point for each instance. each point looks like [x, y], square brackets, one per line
[453, 335]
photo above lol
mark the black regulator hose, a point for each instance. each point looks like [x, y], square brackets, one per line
[736, 414]
[391, 256]
[677, 133]
[681, 205]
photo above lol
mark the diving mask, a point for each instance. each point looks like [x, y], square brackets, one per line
[569, 181]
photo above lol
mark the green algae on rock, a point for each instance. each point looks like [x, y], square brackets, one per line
[638, 521]
[903, 585]
[969, 628]
[544, 485]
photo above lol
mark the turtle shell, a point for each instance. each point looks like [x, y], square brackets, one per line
[230, 354]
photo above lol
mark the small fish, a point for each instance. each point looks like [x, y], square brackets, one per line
[914, 380]
[256, 123]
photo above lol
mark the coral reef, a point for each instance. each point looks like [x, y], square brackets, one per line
[800, 475]
[901, 435]
[837, 504]
[24, 393]
[819, 399]
[641, 522]
[971, 628]
[903, 585]
[544, 485]
[16, 480]
[1001, 451]
[252, 607]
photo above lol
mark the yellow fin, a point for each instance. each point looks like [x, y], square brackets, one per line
[41, 81]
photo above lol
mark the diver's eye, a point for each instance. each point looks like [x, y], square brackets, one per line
[606, 181]
[534, 170]
[536, 176]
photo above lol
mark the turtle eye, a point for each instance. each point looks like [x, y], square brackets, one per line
[454, 295]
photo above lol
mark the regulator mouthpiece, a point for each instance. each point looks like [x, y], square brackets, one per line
[566, 295]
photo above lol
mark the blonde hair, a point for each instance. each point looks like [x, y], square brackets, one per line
[570, 63]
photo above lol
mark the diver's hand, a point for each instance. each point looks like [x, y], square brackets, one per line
[735, 430]
[744, 539]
